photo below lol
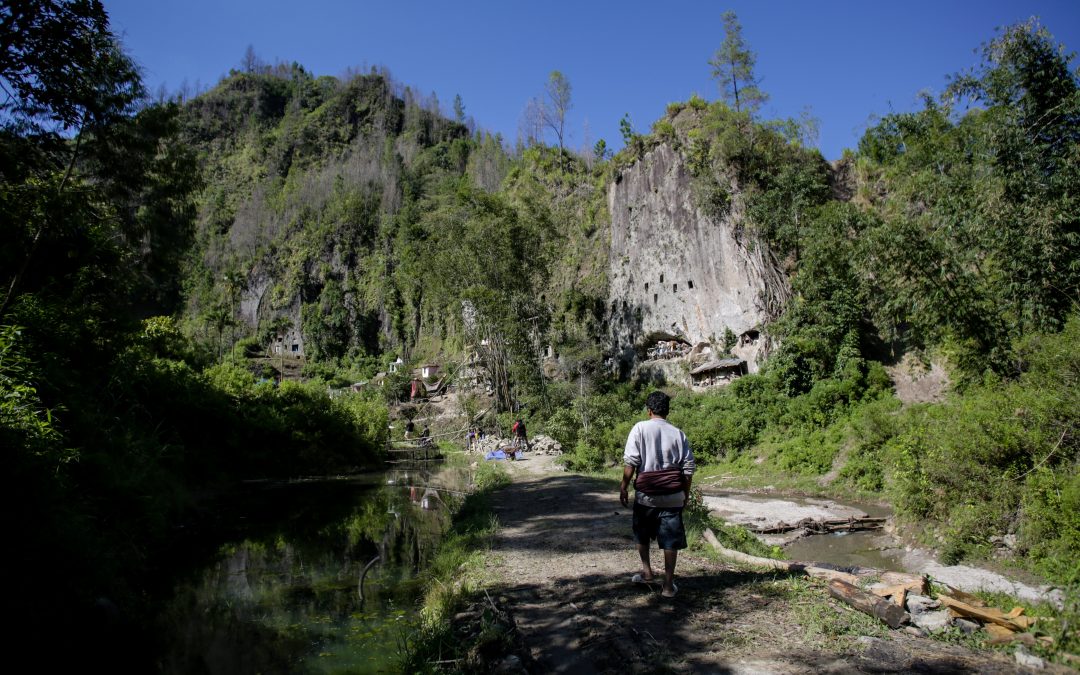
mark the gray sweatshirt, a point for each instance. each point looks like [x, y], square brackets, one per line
[654, 445]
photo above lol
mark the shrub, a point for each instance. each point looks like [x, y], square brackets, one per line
[231, 379]
[1000, 458]
[1050, 530]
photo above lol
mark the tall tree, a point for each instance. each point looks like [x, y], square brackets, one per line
[531, 125]
[69, 97]
[557, 104]
[733, 68]
[251, 63]
[980, 221]
[459, 109]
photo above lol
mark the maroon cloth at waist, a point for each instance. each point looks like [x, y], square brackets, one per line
[663, 482]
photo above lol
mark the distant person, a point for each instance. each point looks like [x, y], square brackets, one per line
[409, 429]
[521, 437]
[660, 455]
[425, 436]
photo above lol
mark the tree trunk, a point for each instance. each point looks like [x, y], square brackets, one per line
[868, 603]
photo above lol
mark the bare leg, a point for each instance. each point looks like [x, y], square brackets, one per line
[669, 568]
[646, 565]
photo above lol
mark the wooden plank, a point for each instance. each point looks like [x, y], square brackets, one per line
[968, 598]
[899, 592]
[987, 614]
[888, 590]
[868, 603]
[998, 634]
[1007, 636]
[913, 582]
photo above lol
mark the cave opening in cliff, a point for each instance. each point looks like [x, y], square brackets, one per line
[674, 288]
[690, 284]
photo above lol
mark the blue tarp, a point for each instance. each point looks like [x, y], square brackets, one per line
[495, 454]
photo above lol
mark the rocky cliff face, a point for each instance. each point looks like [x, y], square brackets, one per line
[673, 271]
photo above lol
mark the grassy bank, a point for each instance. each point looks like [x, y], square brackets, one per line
[455, 583]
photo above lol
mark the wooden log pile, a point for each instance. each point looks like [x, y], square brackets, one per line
[823, 526]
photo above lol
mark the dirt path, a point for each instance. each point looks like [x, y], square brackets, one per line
[562, 563]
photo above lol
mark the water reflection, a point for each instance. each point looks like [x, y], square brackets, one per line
[283, 594]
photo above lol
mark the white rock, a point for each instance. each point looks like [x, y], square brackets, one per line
[920, 604]
[932, 621]
[967, 627]
[1028, 660]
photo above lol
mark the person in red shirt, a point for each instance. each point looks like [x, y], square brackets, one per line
[521, 438]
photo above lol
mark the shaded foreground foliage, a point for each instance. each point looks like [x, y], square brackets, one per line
[112, 431]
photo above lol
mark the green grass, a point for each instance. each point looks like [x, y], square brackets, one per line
[454, 577]
[825, 622]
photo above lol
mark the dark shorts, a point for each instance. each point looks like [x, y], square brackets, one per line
[663, 525]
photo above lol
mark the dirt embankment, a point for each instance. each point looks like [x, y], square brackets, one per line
[561, 567]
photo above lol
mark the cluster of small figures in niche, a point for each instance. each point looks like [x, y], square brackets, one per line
[668, 349]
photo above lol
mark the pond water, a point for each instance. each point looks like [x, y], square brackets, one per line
[871, 548]
[282, 592]
[868, 548]
[849, 549]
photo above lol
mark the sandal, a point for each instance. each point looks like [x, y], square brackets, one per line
[673, 593]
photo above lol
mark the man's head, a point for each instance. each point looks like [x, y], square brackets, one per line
[657, 403]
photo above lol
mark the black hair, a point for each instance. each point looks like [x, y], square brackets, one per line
[658, 403]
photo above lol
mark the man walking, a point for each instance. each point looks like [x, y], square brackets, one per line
[660, 454]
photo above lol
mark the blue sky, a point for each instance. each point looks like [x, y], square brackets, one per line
[845, 61]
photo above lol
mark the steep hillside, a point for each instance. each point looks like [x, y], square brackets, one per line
[345, 222]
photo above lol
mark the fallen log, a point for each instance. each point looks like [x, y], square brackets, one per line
[739, 556]
[824, 573]
[868, 603]
[785, 565]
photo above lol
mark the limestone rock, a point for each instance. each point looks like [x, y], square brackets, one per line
[673, 270]
[966, 626]
[1028, 660]
[932, 621]
[920, 604]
